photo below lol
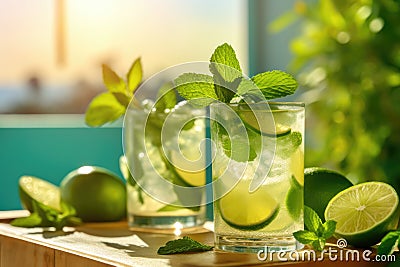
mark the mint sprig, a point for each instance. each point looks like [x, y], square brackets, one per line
[389, 242]
[317, 232]
[227, 83]
[45, 216]
[182, 245]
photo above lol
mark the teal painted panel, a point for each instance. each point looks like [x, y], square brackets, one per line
[51, 153]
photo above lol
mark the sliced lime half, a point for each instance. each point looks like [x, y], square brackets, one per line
[40, 190]
[248, 211]
[364, 213]
[192, 173]
[261, 126]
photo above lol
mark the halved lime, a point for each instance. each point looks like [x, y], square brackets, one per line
[257, 122]
[364, 213]
[296, 166]
[192, 173]
[248, 211]
[40, 190]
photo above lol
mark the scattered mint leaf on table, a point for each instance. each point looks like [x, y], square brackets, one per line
[182, 245]
[389, 243]
[317, 232]
[45, 216]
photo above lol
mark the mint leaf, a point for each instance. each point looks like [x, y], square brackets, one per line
[226, 71]
[103, 108]
[33, 220]
[286, 145]
[319, 244]
[311, 219]
[275, 84]
[112, 81]
[185, 244]
[389, 242]
[238, 149]
[122, 98]
[197, 88]
[305, 237]
[166, 97]
[45, 216]
[134, 75]
[328, 228]
[317, 232]
[227, 65]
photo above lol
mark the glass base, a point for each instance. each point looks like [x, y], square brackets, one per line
[255, 245]
[165, 222]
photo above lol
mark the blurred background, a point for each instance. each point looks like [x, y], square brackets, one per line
[345, 54]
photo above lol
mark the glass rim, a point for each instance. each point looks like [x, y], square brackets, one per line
[269, 103]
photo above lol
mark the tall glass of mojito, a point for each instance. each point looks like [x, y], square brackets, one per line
[258, 164]
[164, 165]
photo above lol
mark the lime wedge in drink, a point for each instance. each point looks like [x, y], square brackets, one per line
[295, 199]
[40, 190]
[192, 173]
[263, 124]
[248, 211]
[364, 213]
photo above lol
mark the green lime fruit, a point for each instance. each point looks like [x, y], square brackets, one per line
[364, 213]
[96, 194]
[33, 188]
[320, 186]
[248, 211]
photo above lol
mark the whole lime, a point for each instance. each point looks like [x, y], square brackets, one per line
[320, 186]
[96, 193]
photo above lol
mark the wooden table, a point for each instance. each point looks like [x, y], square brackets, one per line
[113, 244]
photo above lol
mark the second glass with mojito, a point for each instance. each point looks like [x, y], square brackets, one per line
[258, 165]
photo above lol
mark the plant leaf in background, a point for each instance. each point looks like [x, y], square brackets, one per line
[134, 75]
[109, 106]
[112, 81]
[103, 108]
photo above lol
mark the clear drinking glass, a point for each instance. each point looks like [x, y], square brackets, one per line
[165, 167]
[258, 164]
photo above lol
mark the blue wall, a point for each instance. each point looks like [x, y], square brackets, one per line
[50, 151]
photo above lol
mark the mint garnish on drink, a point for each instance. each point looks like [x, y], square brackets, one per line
[182, 245]
[228, 85]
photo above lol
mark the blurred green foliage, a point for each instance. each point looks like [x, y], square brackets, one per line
[347, 57]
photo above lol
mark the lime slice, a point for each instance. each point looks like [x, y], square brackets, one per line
[296, 166]
[192, 173]
[248, 211]
[364, 213]
[295, 199]
[255, 123]
[33, 188]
